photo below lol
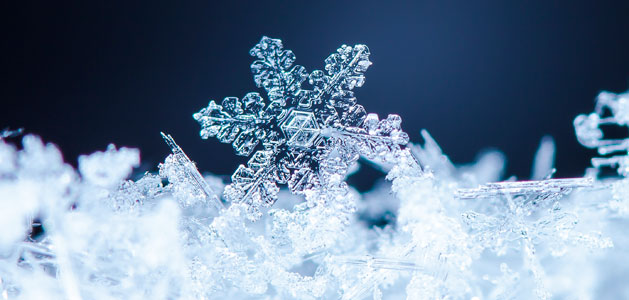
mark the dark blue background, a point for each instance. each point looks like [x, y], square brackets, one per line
[476, 74]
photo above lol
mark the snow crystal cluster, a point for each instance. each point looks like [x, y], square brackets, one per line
[429, 230]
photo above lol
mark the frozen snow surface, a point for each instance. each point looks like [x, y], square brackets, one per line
[431, 230]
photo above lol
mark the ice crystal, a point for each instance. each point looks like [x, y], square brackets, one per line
[611, 109]
[533, 191]
[182, 174]
[432, 230]
[306, 135]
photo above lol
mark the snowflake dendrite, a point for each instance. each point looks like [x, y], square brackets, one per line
[301, 136]
[611, 110]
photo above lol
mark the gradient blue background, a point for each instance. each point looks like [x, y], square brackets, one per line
[476, 74]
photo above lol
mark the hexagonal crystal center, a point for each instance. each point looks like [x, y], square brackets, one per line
[300, 129]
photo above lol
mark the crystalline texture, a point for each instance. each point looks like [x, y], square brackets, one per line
[428, 234]
[300, 133]
[300, 129]
[182, 172]
[535, 189]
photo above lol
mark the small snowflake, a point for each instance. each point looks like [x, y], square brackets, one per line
[301, 137]
[612, 110]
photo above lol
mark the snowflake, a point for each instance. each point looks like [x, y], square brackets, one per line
[611, 110]
[304, 138]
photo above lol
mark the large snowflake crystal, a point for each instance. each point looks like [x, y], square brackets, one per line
[301, 137]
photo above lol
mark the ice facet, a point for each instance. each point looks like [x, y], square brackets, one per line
[300, 129]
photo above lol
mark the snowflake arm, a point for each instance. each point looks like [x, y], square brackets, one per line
[235, 121]
[272, 70]
[536, 189]
[345, 70]
[254, 184]
[376, 139]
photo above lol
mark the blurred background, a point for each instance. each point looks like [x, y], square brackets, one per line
[475, 74]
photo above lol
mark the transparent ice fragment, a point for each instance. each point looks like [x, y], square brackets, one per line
[372, 262]
[181, 171]
[537, 189]
[300, 129]
[377, 271]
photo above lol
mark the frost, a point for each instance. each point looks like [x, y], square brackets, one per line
[432, 230]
